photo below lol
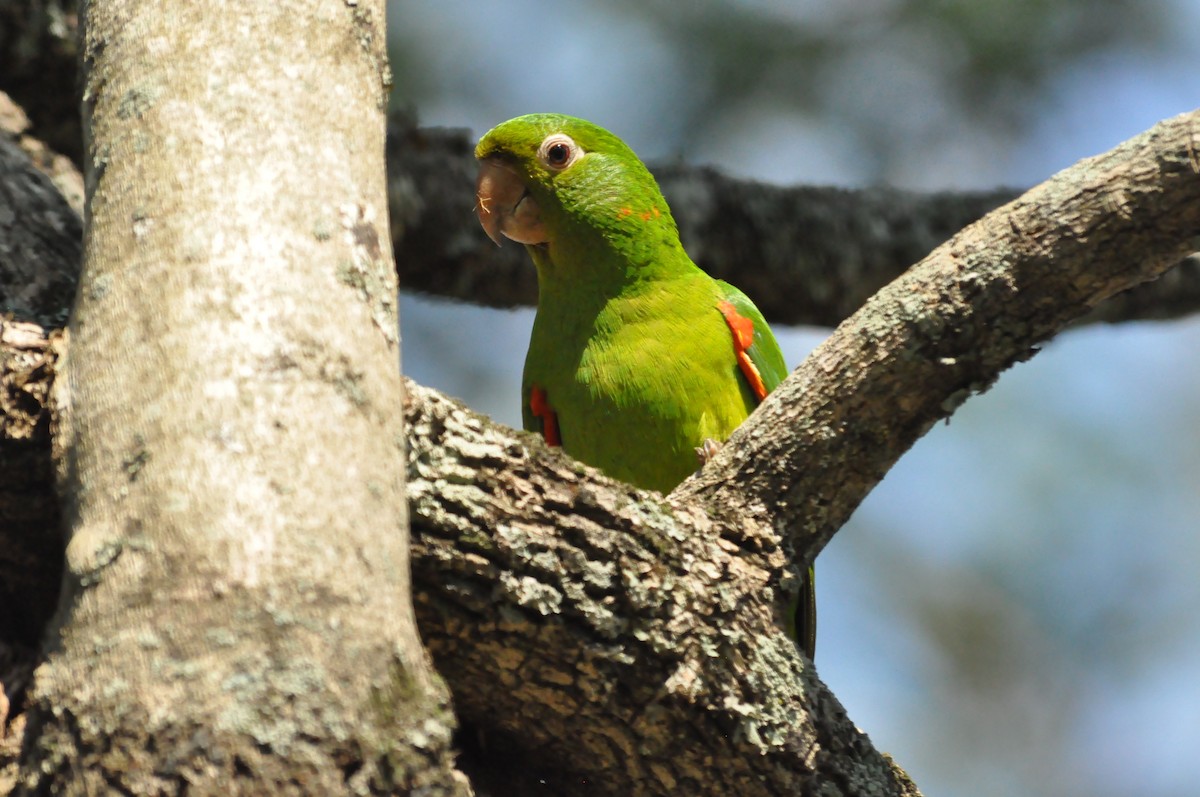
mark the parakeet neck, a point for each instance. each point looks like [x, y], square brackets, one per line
[610, 253]
[583, 281]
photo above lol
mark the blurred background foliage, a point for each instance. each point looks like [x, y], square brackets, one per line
[1012, 611]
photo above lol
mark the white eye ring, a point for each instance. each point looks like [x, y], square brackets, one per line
[558, 151]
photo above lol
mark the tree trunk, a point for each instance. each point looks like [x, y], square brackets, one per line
[235, 616]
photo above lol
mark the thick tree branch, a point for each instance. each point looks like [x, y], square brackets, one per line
[785, 482]
[627, 639]
[236, 613]
[489, 537]
[950, 325]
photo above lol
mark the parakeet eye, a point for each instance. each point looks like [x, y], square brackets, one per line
[558, 151]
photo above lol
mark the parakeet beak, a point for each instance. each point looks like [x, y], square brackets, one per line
[505, 206]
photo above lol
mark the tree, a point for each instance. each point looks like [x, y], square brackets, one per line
[634, 638]
[235, 612]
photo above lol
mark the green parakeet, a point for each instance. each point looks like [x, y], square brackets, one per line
[638, 361]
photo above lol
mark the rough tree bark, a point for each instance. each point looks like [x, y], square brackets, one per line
[235, 615]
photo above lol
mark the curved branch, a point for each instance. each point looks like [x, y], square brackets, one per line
[948, 327]
[538, 531]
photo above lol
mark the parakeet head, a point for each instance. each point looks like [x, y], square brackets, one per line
[556, 180]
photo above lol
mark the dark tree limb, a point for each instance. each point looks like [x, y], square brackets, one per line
[16, 128]
[30, 542]
[1173, 294]
[807, 256]
[40, 249]
[41, 240]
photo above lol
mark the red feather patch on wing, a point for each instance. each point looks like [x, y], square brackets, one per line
[540, 407]
[743, 337]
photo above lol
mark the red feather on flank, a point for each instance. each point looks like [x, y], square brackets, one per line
[743, 337]
[541, 408]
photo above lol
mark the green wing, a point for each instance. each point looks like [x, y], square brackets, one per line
[767, 358]
[764, 351]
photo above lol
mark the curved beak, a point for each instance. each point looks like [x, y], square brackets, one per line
[505, 206]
